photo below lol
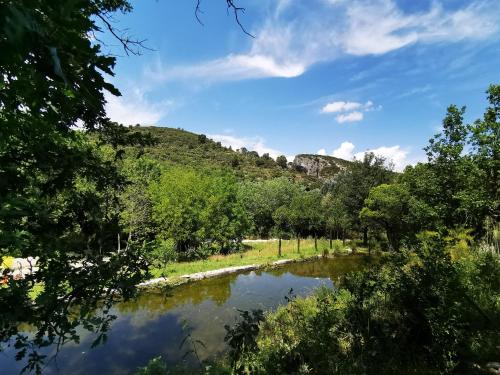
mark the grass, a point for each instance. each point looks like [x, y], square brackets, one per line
[255, 253]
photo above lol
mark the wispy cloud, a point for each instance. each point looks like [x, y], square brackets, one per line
[295, 36]
[350, 117]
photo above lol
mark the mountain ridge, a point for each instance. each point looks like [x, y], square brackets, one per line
[176, 146]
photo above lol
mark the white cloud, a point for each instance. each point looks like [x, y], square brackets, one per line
[295, 37]
[344, 151]
[250, 143]
[394, 154]
[135, 109]
[321, 151]
[350, 117]
[340, 107]
[232, 67]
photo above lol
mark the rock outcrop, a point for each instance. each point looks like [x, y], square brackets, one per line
[319, 166]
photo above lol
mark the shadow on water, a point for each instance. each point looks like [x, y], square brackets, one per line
[154, 324]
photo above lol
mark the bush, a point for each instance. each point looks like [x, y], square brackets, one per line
[414, 313]
[162, 252]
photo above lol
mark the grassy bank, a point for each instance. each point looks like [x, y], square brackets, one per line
[255, 253]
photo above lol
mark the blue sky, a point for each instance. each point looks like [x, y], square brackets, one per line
[336, 77]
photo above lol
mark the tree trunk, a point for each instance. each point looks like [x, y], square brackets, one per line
[315, 242]
[331, 245]
[279, 247]
[365, 236]
[343, 236]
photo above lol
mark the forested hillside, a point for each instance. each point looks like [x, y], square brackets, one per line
[180, 147]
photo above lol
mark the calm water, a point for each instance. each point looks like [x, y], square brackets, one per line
[155, 323]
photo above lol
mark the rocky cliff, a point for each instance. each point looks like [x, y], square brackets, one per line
[319, 166]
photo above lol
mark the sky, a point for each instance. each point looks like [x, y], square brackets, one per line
[333, 77]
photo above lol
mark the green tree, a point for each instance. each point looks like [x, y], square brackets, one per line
[304, 214]
[388, 206]
[460, 180]
[281, 161]
[335, 216]
[137, 212]
[59, 190]
[485, 142]
[262, 198]
[198, 207]
[353, 185]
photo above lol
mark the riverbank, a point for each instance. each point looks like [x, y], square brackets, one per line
[257, 255]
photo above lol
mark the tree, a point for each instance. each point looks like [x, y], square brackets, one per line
[485, 142]
[335, 216]
[460, 181]
[387, 206]
[262, 198]
[283, 222]
[198, 208]
[59, 190]
[353, 185]
[281, 161]
[445, 159]
[397, 212]
[137, 213]
[303, 215]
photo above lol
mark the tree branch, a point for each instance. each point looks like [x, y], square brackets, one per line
[130, 46]
[231, 6]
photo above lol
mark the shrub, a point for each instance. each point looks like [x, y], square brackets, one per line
[414, 313]
[162, 252]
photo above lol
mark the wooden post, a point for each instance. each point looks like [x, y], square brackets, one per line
[279, 247]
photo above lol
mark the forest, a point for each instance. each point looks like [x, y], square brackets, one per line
[100, 206]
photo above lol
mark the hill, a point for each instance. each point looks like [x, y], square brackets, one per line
[181, 147]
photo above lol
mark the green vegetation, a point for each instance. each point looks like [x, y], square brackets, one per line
[401, 317]
[198, 209]
[260, 253]
[430, 307]
[103, 207]
[177, 147]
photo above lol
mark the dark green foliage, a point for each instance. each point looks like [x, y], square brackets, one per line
[460, 181]
[411, 314]
[394, 210]
[242, 337]
[59, 189]
[352, 186]
[281, 161]
[262, 198]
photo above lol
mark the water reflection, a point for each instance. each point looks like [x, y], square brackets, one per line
[152, 324]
